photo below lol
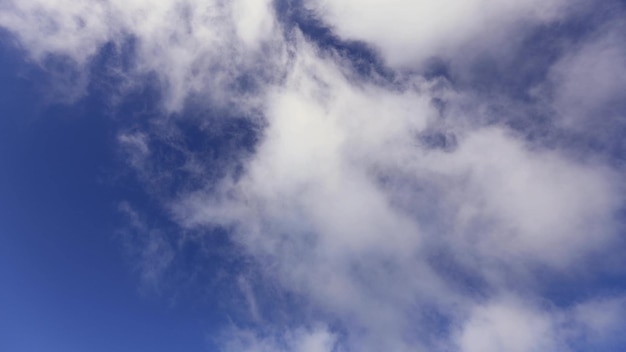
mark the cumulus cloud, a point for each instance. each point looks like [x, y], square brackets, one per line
[404, 210]
[407, 32]
[589, 80]
[507, 323]
[193, 47]
[531, 205]
[508, 326]
[322, 204]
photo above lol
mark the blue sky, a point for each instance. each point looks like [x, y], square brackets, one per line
[68, 283]
[312, 176]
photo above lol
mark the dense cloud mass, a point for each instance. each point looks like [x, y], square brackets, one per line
[421, 176]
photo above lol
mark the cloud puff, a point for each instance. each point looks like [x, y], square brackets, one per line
[404, 210]
[531, 205]
[407, 32]
[589, 80]
[508, 326]
[508, 323]
[300, 340]
[193, 47]
[324, 204]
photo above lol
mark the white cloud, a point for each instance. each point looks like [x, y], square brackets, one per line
[312, 207]
[511, 324]
[589, 81]
[149, 247]
[599, 319]
[74, 28]
[524, 205]
[300, 340]
[407, 32]
[508, 326]
[253, 20]
[343, 202]
[508, 323]
[136, 146]
[193, 47]
[248, 293]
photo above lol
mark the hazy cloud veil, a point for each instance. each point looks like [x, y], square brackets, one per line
[423, 175]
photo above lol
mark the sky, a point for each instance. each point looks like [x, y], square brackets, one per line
[312, 176]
